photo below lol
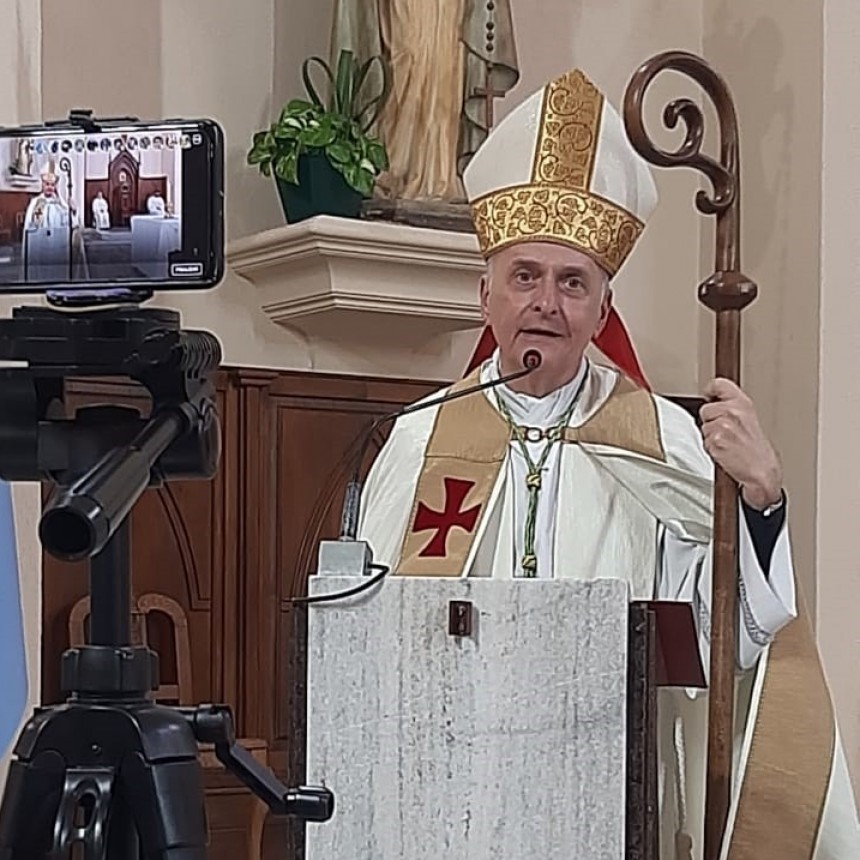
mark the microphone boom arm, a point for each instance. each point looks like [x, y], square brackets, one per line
[532, 360]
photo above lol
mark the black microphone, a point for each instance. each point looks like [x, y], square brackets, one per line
[532, 360]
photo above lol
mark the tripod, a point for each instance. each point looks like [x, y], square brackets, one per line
[110, 775]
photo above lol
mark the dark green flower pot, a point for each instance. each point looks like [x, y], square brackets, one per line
[322, 190]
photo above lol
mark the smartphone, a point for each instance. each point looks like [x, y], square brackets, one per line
[105, 209]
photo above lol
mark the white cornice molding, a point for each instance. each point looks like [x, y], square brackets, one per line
[324, 272]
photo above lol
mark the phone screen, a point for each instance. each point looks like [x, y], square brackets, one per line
[132, 205]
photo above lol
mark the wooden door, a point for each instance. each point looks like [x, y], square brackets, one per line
[123, 180]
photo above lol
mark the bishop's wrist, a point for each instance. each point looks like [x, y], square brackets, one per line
[761, 498]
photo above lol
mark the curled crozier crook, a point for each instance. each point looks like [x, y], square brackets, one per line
[724, 199]
[723, 174]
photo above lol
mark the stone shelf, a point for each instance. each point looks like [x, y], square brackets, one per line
[341, 278]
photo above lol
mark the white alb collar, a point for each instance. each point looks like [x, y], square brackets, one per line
[526, 408]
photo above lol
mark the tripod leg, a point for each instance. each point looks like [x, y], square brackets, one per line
[30, 802]
[87, 794]
[167, 804]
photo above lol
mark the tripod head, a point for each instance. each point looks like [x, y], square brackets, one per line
[99, 461]
[104, 457]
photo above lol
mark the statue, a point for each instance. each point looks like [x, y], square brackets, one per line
[449, 59]
[101, 212]
[23, 163]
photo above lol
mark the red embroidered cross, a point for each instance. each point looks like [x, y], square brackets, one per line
[443, 521]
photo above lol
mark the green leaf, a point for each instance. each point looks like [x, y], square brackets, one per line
[368, 113]
[306, 78]
[257, 156]
[361, 77]
[317, 136]
[358, 179]
[340, 124]
[377, 155]
[343, 88]
[286, 168]
[295, 107]
[262, 149]
[339, 152]
[365, 182]
[289, 130]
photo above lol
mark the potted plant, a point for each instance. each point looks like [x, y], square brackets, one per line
[322, 155]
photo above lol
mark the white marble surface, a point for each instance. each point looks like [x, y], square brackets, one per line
[153, 239]
[47, 251]
[509, 744]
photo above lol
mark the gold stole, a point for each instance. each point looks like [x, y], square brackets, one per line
[791, 757]
[461, 466]
[791, 754]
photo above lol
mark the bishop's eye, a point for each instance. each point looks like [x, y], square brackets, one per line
[573, 283]
[523, 277]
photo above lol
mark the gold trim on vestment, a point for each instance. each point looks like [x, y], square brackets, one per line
[788, 772]
[469, 443]
[627, 419]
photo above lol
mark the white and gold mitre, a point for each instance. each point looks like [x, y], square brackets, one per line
[560, 168]
[49, 172]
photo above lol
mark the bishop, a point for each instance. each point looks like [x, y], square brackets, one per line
[53, 244]
[579, 470]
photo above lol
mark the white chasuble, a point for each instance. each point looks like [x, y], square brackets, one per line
[626, 493]
[53, 245]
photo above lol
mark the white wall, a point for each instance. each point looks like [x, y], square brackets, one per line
[837, 556]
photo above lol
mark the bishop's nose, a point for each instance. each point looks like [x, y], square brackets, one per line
[545, 299]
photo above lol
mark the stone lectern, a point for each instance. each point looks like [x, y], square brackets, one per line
[483, 718]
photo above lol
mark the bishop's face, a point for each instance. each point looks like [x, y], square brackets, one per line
[49, 188]
[548, 297]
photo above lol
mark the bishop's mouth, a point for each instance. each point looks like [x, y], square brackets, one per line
[540, 332]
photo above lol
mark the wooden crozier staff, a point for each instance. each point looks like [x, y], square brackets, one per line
[726, 292]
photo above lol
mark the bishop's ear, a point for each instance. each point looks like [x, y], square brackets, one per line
[484, 293]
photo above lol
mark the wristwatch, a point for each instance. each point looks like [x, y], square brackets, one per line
[770, 510]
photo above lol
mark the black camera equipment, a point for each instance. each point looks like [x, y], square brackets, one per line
[110, 774]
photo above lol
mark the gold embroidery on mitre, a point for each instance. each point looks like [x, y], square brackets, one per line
[569, 132]
[585, 221]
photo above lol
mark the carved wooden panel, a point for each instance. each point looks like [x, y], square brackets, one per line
[13, 207]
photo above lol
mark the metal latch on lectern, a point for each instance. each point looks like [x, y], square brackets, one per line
[460, 617]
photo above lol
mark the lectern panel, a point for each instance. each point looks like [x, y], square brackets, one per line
[505, 741]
